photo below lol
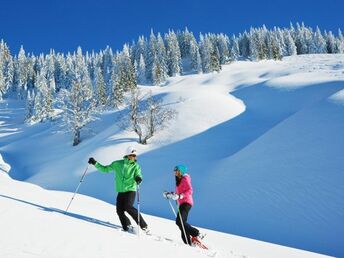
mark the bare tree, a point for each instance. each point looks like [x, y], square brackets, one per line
[147, 115]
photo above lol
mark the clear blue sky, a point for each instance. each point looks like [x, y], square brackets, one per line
[63, 25]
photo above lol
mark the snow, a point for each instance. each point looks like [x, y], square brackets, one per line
[263, 143]
[34, 224]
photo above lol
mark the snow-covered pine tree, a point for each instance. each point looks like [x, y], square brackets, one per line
[141, 71]
[30, 105]
[3, 87]
[206, 49]
[340, 42]
[196, 60]
[290, 47]
[331, 43]
[7, 68]
[258, 43]
[21, 74]
[40, 105]
[50, 70]
[151, 56]
[173, 54]
[303, 39]
[215, 60]
[244, 45]
[107, 63]
[234, 48]
[318, 43]
[117, 89]
[31, 74]
[222, 42]
[127, 70]
[70, 72]
[139, 49]
[273, 45]
[60, 72]
[160, 70]
[101, 97]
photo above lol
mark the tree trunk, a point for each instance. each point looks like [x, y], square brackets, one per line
[76, 139]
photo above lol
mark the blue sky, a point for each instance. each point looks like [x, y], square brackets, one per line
[64, 25]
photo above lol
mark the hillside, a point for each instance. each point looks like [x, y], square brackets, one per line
[262, 141]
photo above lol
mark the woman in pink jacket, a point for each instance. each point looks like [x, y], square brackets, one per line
[183, 196]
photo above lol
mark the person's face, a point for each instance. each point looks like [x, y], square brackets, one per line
[131, 157]
[177, 173]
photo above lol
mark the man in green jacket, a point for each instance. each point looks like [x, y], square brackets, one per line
[127, 176]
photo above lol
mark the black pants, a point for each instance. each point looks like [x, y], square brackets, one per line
[124, 203]
[189, 230]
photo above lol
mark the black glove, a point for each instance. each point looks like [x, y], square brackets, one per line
[92, 161]
[138, 180]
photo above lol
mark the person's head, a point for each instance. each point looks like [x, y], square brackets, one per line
[180, 170]
[131, 153]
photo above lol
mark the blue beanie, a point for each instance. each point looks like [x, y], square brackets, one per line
[183, 169]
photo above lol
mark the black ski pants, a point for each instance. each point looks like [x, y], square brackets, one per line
[189, 230]
[124, 203]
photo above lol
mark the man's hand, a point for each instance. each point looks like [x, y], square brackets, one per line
[138, 180]
[92, 161]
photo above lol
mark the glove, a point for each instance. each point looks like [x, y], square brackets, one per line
[92, 161]
[138, 180]
[175, 196]
[166, 194]
[171, 195]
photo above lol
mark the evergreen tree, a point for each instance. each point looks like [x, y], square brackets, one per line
[222, 43]
[6, 69]
[340, 41]
[196, 61]
[59, 72]
[206, 49]
[2, 79]
[21, 74]
[118, 90]
[215, 60]
[30, 104]
[161, 62]
[127, 70]
[141, 71]
[106, 66]
[173, 54]
[331, 44]
[152, 55]
[235, 52]
[318, 44]
[290, 47]
[101, 98]
[244, 45]
[139, 49]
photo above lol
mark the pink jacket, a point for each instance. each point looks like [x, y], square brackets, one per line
[185, 188]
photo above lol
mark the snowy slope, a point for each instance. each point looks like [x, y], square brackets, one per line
[263, 142]
[33, 224]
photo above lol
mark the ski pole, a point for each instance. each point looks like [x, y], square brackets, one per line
[174, 212]
[81, 180]
[138, 210]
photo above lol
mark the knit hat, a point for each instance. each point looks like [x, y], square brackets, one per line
[183, 169]
[130, 151]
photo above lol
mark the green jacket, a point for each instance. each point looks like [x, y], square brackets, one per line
[125, 173]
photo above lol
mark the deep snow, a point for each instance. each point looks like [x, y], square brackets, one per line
[263, 142]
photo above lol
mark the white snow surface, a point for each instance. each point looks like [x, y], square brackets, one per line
[263, 142]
